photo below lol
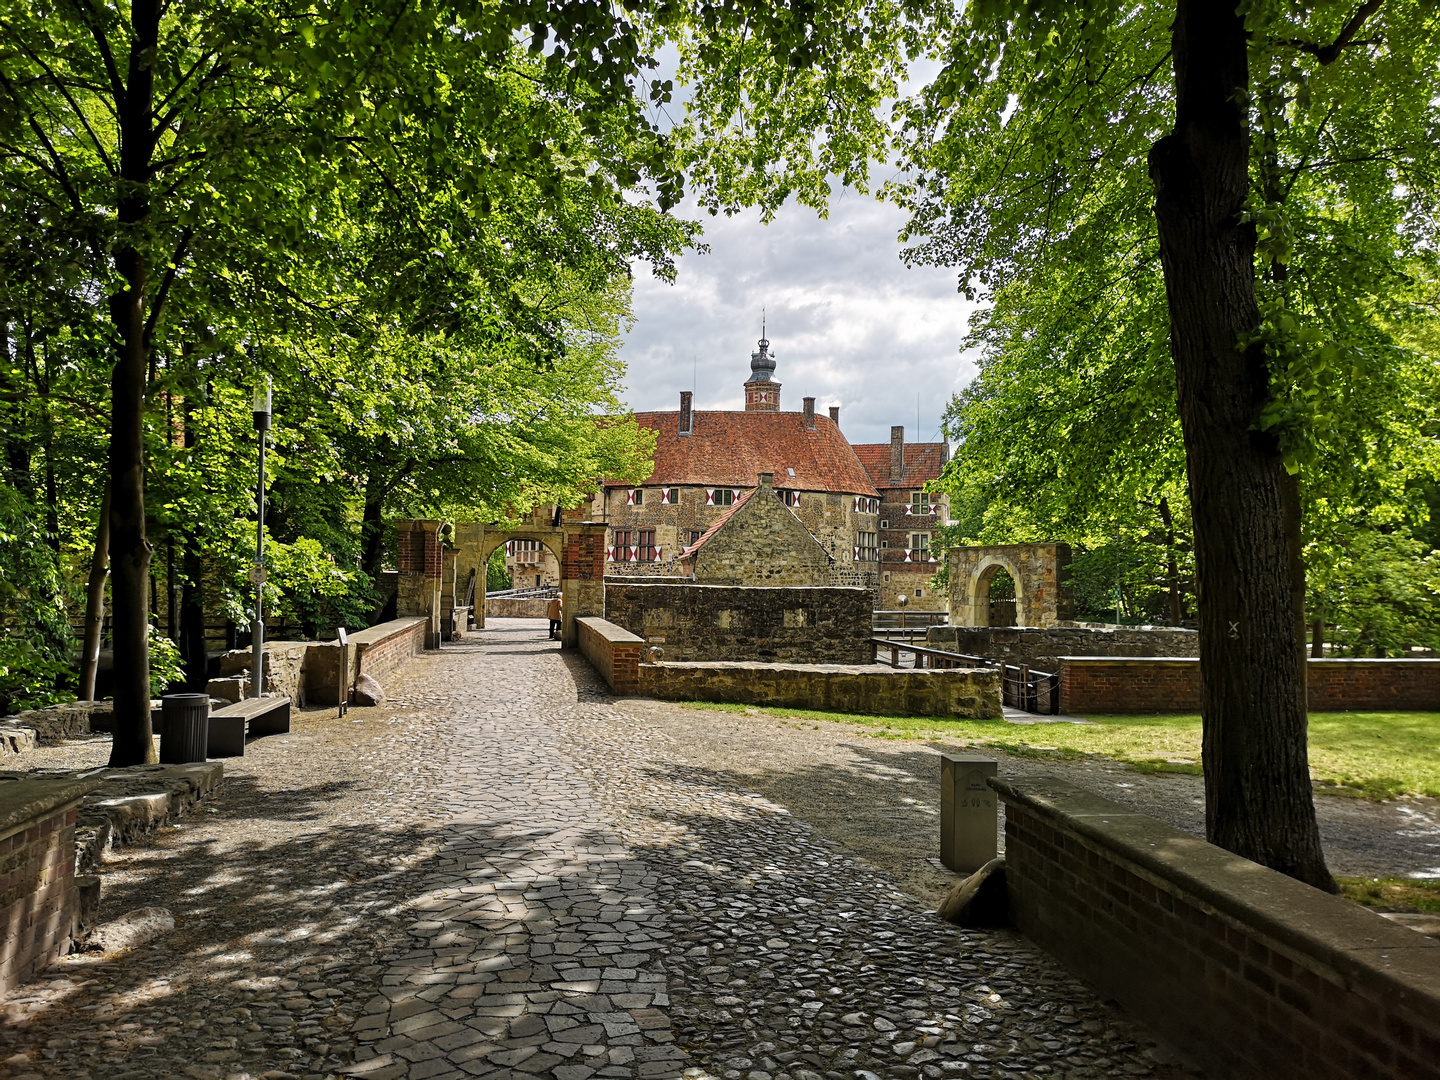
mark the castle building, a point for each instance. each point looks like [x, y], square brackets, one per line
[707, 460]
[908, 518]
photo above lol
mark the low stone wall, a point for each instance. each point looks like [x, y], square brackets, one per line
[285, 663]
[516, 607]
[1144, 685]
[614, 652]
[1042, 646]
[39, 902]
[1252, 973]
[956, 693]
[376, 652]
[818, 625]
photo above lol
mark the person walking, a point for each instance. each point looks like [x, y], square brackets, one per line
[554, 612]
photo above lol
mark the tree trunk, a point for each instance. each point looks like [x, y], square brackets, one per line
[129, 550]
[95, 601]
[1259, 802]
[192, 597]
[1317, 637]
[372, 527]
[1172, 565]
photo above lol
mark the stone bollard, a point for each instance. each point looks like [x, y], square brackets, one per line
[967, 812]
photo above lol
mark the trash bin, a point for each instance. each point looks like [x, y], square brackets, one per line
[184, 728]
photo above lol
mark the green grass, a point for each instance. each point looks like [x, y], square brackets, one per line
[1397, 894]
[1374, 755]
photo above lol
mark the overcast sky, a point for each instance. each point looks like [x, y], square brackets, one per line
[847, 322]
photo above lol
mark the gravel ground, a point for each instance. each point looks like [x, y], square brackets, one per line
[505, 872]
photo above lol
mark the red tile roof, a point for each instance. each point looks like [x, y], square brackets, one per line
[923, 461]
[729, 449]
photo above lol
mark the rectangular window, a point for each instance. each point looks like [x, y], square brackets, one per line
[645, 545]
[884, 524]
[920, 544]
[639, 497]
[622, 545]
[919, 503]
[884, 543]
[918, 594]
[792, 498]
[672, 496]
[866, 548]
[724, 497]
[695, 535]
[527, 552]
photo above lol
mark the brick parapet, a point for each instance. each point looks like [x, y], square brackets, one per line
[1149, 684]
[613, 651]
[1252, 973]
[39, 903]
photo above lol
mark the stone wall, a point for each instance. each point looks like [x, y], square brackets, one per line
[613, 651]
[1042, 647]
[517, 607]
[761, 543]
[39, 903]
[377, 652]
[1147, 685]
[721, 622]
[954, 693]
[1252, 973]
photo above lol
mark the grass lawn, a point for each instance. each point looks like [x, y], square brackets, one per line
[1398, 894]
[1371, 754]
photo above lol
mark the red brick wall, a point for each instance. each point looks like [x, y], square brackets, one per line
[1143, 685]
[617, 659]
[584, 557]
[419, 552]
[1300, 985]
[379, 658]
[38, 900]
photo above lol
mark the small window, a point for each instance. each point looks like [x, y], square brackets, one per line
[638, 497]
[695, 535]
[885, 576]
[884, 543]
[918, 594]
[884, 524]
[724, 497]
[920, 543]
[645, 545]
[672, 496]
[919, 503]
[792, 498]
[866, 549]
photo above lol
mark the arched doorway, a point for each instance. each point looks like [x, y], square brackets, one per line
[1040, 573]
[992, 571]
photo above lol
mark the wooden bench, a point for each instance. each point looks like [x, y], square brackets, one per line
[230, 726]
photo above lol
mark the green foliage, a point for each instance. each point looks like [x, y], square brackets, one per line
[36, 645]
[497, 577]
[165, 666]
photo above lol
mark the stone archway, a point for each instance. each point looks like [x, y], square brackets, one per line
[1041, 575]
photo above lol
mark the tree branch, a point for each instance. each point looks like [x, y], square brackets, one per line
[1328, 54]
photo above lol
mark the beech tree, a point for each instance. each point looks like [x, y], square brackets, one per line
[1189, 98]
[173, 148]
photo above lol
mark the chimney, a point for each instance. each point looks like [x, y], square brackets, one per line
[685, 419]
[766, 480]
[835, 415]
[897, 454]
[809, 414]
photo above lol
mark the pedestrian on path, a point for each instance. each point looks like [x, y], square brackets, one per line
[554, 612]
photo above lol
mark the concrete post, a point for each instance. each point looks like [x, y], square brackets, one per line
[968, 816]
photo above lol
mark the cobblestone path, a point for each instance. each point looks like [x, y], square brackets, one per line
[518, 876]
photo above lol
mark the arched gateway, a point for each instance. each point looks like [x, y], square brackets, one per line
[1042, 587]
[437, 573]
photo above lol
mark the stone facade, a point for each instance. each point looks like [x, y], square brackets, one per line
[1042, 583]
[1042, 647]
[954, 693]
[760, 541]
[719, 622]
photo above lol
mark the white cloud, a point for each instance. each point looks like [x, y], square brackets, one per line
[849, 324]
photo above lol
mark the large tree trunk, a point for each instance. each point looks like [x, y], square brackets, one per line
[1172, 564]
[1259, 802]
[192, 596]
[95, 602]
[129, 550]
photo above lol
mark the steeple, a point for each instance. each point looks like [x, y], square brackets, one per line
[762, 392]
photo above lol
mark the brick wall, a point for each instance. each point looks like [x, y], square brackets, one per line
[39, 903]
[419, 550]
[1144, 685]
[1253, 974]
[584, 557]
[725, 622]
[613, 651]
[378, 652]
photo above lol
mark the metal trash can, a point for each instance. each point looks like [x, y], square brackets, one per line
[184, 728]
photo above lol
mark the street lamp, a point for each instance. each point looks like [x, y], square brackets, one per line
[261, 408]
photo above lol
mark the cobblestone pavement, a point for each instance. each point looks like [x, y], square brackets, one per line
[511, 875]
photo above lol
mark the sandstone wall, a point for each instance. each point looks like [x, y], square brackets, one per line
[516, 607]
[955, 693]
[762, 543]
[1042, 647]
[720, 622]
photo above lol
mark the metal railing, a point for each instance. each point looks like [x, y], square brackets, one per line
[1021, 687]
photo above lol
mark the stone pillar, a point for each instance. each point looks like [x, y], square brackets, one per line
[419, 560]
[582, 577]
[968, 818]
[469, 548]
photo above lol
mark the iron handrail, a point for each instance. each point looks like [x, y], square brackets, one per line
[1020, 686]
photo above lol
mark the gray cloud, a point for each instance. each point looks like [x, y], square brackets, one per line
[848, 322]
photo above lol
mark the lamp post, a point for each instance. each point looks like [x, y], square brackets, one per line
[257, 572]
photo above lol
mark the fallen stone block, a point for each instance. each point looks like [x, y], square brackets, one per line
[129, 931]
[368, 691]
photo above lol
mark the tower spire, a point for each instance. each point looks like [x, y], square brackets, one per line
[762, 392]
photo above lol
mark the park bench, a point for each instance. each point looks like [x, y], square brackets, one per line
[230, 726]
